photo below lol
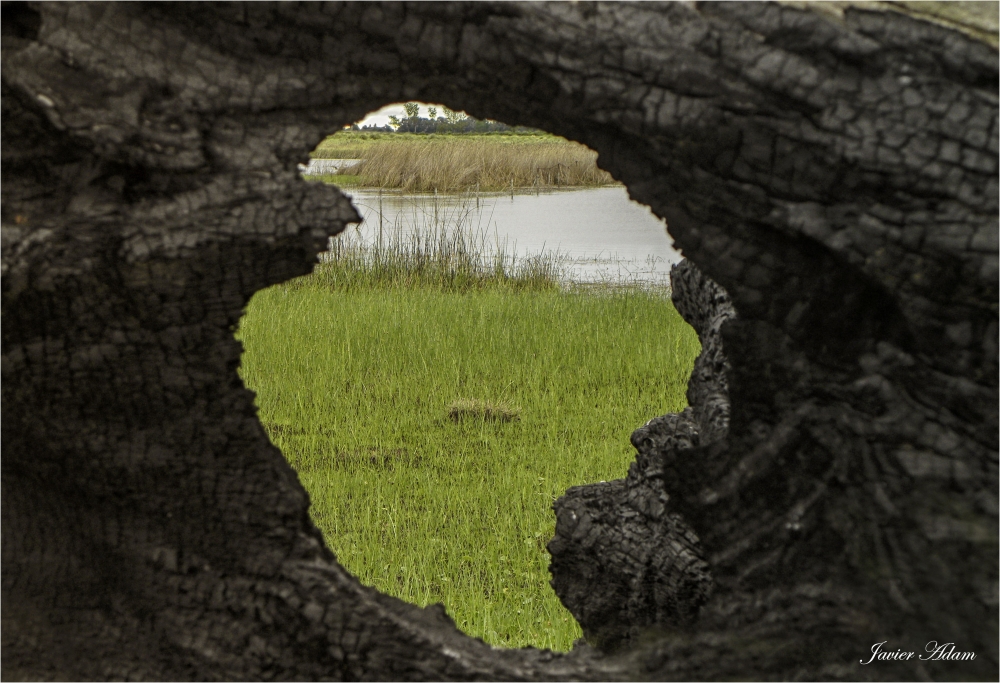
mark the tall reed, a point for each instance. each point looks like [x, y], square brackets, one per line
[424, 164]
[439, 249]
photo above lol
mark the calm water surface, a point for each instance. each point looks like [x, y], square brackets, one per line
[600, 233]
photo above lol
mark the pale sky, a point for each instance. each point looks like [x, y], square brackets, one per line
[381, 117]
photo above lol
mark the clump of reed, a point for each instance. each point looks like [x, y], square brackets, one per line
[447, 260]
[439, 250]
[423, 164]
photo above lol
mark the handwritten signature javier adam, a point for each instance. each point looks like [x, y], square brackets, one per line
[935, 652]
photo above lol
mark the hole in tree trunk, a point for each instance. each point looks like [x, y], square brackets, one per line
[437, 393]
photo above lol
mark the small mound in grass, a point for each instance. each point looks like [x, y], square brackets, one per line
[471, 408]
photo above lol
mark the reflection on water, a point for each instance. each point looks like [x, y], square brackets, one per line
[601, 234]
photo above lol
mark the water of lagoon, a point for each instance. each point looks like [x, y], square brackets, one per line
[599, 234]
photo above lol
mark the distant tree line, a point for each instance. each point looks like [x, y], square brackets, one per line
[448, 122]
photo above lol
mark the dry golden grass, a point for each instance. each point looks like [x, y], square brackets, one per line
[425, 164]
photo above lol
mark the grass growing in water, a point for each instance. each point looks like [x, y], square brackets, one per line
[383, 378]
[450, 163]
[448, 255]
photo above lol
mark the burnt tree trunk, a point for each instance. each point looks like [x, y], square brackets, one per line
[833, 484]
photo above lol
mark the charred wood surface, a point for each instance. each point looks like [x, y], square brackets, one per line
[834, 481]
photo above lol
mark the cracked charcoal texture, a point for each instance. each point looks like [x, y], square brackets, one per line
[833, 483]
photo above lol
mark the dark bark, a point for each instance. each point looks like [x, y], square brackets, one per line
[835, 171]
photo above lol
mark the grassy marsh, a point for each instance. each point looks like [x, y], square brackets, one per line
[435, 404]
[450, 163]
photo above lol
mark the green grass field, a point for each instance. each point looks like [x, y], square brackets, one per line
[434, 421]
